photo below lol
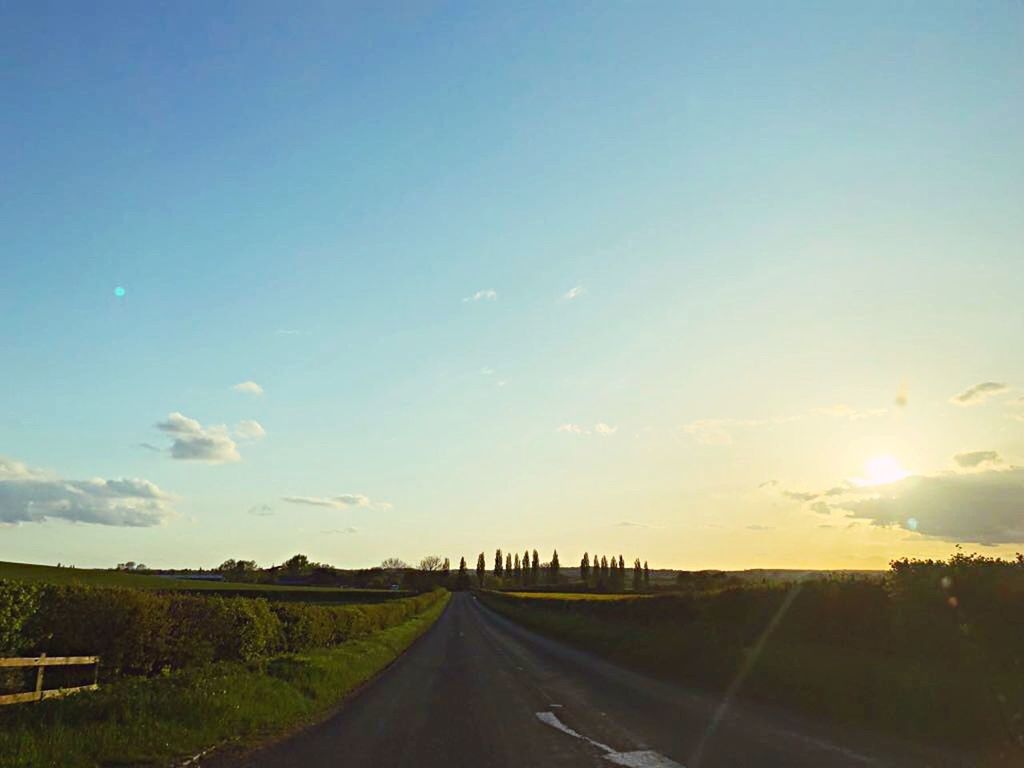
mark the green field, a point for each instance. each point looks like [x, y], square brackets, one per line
[100, 577]
[588, 596]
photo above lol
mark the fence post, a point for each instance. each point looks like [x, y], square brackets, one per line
[39, 677]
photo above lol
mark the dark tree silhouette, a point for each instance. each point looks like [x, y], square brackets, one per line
[622, 566]
[604, 568]
[462, 580]
[535, 568]
[555, 567]
[517, 569]
[647, 576]
[446, 569]
[498, 563]
[585, 568]
[481, 568]
[526, 567]
[508, 566]
[638, 575]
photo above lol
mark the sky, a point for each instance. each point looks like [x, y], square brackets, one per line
[716, 285]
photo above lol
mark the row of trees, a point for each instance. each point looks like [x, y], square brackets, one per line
[611, 574]
[512, 570]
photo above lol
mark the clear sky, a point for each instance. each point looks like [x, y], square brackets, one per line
[699, 283]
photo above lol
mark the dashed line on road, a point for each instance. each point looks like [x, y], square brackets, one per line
[641, 759]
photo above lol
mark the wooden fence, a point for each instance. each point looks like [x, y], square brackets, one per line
[41, 663]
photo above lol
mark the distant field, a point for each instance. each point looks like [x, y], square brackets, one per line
[99, 577]
[589, 596]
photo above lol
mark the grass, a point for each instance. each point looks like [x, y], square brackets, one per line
[153, 721]
[100, 577]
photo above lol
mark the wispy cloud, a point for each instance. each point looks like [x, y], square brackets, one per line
[248, 388]
[29, 495]
[979, 393]
[194, 442]
[342, 501]
[573, 429]
[574, 293]
[332, 531]
[605, 430]
[487, 294]
[287, 332]
[261, 510]
[249, 429]
[485, 371]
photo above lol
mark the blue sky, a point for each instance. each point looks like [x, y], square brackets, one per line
[613, 276]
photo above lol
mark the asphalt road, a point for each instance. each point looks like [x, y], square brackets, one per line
[480, 691]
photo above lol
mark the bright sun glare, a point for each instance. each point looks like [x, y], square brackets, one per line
[880, 470]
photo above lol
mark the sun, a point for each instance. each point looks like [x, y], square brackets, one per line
[883, 469]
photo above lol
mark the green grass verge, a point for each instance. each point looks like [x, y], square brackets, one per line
[153, 721]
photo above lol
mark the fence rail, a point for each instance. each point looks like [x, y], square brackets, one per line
[40, 663]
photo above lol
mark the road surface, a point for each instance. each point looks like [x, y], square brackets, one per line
[480, 691]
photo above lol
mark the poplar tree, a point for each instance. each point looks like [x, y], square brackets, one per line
[508, 566]
[585, 568]
[462, 580]
[555, 567]
[481, 568]
[638, 575]
[498, 562]
[517, 570]
[526, 567]
[604, 568]
[535, 568]
[647, 576]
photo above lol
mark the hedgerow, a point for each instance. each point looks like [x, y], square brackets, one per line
[139, 632]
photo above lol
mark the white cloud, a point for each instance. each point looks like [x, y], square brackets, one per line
[605, 430]
[194, 442]
[331, 531]
[261, 510]
[486, 294]
[248, 388]
[249, 429]
[843, 411]
[976, 458]
[32, 495]
[574, 293]
[979, 393]
[574, 429]
[718, 431]
[343, 501]
[485, 371]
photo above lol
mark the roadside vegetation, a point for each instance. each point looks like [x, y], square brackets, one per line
[178, 714]
[933, 651]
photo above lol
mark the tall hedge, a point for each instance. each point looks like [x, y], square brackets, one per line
[142, 633]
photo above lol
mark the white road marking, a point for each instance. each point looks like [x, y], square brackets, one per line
[555, 706]
[641, 759]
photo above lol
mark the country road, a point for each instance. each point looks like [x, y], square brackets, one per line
[479, 691]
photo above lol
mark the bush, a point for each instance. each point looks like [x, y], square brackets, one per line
[139, 632]
[18, 602]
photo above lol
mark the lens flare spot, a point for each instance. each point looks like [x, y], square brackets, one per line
[912, 523]
[120, 291]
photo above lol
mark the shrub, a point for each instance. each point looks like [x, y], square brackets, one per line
[18, 602]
